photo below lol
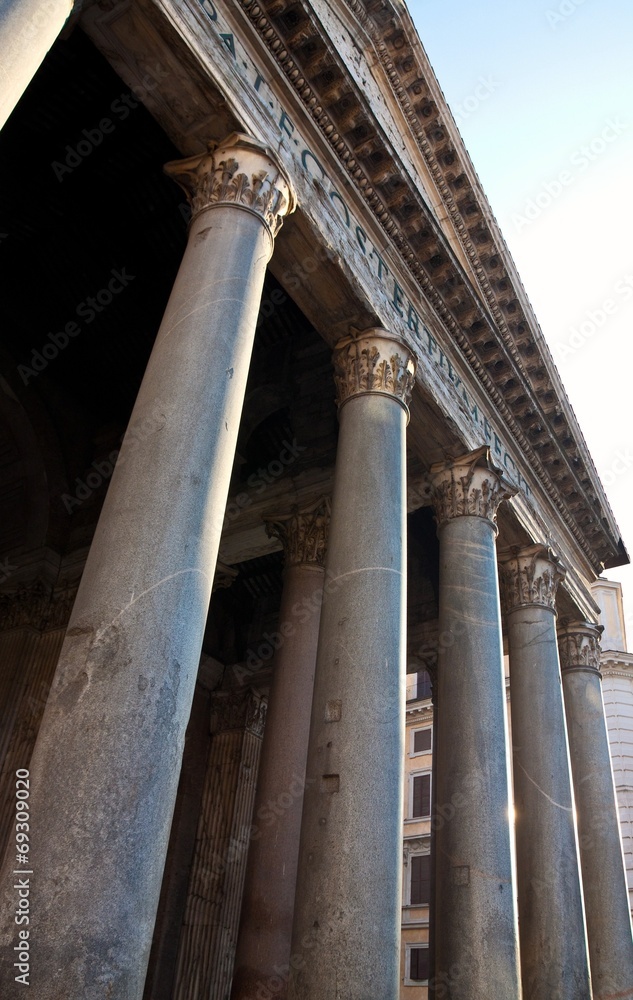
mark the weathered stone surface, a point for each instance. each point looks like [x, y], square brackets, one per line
[603, 874]
[264, 945]
[347, 910]
[106, 764]
[553, 964]
[476, 934]
[27, 31]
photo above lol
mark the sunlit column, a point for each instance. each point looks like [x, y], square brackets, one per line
[346, 938]
[603, 873]
[106, 764]
[28, 28]
[476, 934]
[554, 960]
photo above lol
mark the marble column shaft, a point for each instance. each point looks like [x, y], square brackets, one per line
[107, 760]
[28, 29]
[477, 956]
[264, 944]
[346, 937]
[603, 874]
[554, 959]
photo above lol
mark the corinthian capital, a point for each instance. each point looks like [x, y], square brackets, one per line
[529, 576]
[239, 171]
[303, 533]
[469, 486]
[579, 646]
[373, 361]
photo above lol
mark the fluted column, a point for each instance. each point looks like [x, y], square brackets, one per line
[554, 960]
[107, 759]
[28, 28]
[263, 951]
[346, 936]
[475, 923]
[603, 874]
[209, 932]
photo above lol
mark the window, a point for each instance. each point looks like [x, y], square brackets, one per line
[422, 741]
[417, 964]
[418, 686]
[420, 879]
[421, 796]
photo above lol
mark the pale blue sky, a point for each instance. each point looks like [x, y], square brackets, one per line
[559, 104]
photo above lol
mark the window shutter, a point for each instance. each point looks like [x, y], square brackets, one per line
[421, 879]
[423, 685]
[422, 740]
[422, 795]
[419, 963]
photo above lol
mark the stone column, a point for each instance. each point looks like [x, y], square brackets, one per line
[107, 760]
[554, 960]
[263, 951]
[28, 28]
[603, 875]
[209, 933]
[346, 936]
[476, 932]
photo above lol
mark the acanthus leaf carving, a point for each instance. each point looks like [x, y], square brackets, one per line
[239, 171]
[303, 533]
[373, 361]
[579, 646]
[469, 486]
[529, 576]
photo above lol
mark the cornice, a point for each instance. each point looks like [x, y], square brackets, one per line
[505, 281]
[516, 379]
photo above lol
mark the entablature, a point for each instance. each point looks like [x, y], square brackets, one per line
[482, 364]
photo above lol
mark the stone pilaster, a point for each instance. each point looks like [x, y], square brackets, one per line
[32, 624]
[113, 730]
[264, 948]
[209, 933]
[554, 959]
[476, 935]
[346, 936]
[603, 874]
